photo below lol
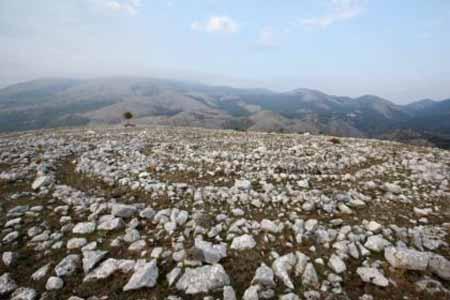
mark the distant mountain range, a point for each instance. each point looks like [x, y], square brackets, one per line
[66, 102]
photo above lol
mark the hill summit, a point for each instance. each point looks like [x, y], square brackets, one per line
[189, 213]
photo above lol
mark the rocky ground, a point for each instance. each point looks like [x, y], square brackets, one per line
[159, 213]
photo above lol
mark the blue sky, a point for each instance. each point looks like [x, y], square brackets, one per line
[397, 49]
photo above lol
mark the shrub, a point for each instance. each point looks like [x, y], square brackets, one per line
[335, 141]
[127, 115]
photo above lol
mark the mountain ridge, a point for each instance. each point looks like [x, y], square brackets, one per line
[55, 102]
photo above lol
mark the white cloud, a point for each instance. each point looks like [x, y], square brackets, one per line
[266, 38]
[130, 7]
[216, 24]
[341, 10]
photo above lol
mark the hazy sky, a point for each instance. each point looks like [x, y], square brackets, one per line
[398, 49]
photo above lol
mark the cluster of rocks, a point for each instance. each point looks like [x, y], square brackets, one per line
[219, 214]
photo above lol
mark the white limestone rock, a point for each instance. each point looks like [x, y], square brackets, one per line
[203, 279]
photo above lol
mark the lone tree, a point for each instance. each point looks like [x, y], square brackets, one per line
[128, 116]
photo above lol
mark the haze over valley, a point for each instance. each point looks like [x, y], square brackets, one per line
[51, 103]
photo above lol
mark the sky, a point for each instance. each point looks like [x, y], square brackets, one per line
[396, 49]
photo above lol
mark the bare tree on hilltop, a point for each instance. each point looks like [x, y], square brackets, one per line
[128, 116]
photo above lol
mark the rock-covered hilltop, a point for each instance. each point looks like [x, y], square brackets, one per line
[161, 213]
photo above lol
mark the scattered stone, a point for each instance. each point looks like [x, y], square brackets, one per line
[251, 293]
[67, 266]
[311, 295]
[203, 279]
[144, 276]
[310, 277]
[290, 296]
[210, 253]
[440, 266]
[269, 226]
[41, 182]
[409, 259]
[303, 184]
[311, 225]
[24, 293]
[113, 224]
[132, 235]
[431, 286]
[173, 275]
[147, 213]
[229, 293]
[108, 267]
[337, 264]
[156, 252]
[374, 227]
[392, 188]
[91, 259]
[243, 185]
[264, 277]
[84, 228]
[123, 211]
[41, 272]
[54, 283]
[372, 275]
[282, 266]
[9, 258]
[10, 237]
[376, 243]
[138, 245]
[243, 242]
[7, 284]
[76, 243]
[422, 212]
